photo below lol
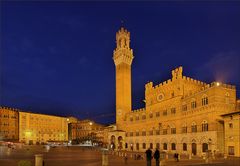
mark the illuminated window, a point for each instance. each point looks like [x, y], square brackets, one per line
[204, 126]
[204, 100]
[184, 129]
[137, 146]
[184, 107]
[194, 127]
[173, 146]
[164, 131]
[184, 147]
[227, 96]
[151, 132]
[193, 104]
[151, 145]
[231, 150]
[143, 117]
[150, 115]
[173, 110]
[165, 113]
[144, 145]
[165, 146]
[204, 147]
[173, 130]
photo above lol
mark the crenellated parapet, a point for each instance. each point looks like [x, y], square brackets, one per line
[148, 87]
[193, 81]
[176, 74]
[139, 110]
[209, 86]
[163, 84]
[123, 56]
[9, 108]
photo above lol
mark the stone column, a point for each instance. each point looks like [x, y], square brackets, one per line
[199, 149]
[38, 160]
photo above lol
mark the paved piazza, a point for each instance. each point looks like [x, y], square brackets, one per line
[75, 156]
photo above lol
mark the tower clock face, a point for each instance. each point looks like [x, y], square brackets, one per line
[119, 112]
[160, 97]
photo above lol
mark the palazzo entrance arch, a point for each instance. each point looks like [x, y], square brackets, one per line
[194, 148]
[113, 142]
[116, 140]
[120, 142]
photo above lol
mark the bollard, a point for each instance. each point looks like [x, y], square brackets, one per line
[190, 156]
[166, 156]
[162, 162]
[104, 158]
[38, 160]
[206, 161]
[225, 156]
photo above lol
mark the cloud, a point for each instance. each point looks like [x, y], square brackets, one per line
[223, 66]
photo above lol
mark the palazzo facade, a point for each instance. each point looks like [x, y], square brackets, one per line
[40, 128]
[8, 124]
[180, 115]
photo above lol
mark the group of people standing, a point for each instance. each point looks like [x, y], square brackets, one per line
[156, 156]
[149, 157]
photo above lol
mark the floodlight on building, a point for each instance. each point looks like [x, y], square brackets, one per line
[28, 133]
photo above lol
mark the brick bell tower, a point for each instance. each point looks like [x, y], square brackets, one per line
[123, 56]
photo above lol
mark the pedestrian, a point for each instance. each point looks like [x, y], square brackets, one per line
[135, 156]
[125, 158]
[177, 157]
[149, 156]
[156, 156]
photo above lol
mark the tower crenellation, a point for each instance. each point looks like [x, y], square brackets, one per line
[177, 73]
[123, 39]
[123, 53]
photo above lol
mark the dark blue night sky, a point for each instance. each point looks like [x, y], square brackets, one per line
[56, 58]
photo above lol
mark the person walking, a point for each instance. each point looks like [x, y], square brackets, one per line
[177, 157]
[156, 156]
[149, 156]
